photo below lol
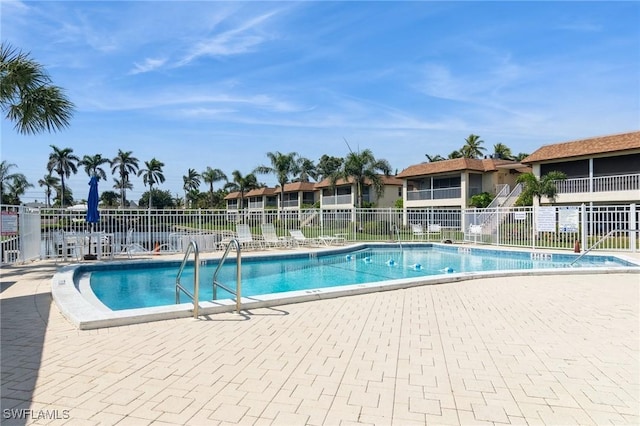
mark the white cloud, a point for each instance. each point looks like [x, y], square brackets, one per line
[233, 42]
[149, 64]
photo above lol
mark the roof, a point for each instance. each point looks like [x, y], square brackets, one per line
[253, 193]
[297, 186]
[456, 164]
[386, 180]
[578, 148]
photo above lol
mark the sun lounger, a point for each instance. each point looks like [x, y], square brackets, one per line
[432, 229]
[245, 238]
[270, 237]
[300, 239]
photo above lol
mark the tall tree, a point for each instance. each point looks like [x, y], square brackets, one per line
[152, 175]
[191, 182]
[125, 164]
[472, 147]
[327, 166]
[306, 170]
[5, 176]
[27, 95]
[283, 166]
[210, 176]
[242, 184]
[17, 187]
[109, 198]
[64, 163]
[543, 187]
[502, 151]
[122, 185]
[49, 182]
[93, 165]
[363, 166]
[63, 198]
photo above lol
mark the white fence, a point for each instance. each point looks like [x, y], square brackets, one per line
[60, 233]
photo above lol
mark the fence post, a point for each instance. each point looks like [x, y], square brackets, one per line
[633, 228]
[584, 234]
[534, 232]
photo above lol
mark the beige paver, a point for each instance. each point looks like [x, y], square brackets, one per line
[562, 349]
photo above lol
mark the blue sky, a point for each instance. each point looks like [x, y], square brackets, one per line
[220, 84]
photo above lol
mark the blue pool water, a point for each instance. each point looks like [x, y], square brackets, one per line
[154, 285]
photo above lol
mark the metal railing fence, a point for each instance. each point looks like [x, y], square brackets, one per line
[44, 233]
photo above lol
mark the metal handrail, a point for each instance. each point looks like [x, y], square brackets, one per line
[607, 235]
[192, 247]
[216, 283]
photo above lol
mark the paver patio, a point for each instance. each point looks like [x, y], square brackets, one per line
[549, 350]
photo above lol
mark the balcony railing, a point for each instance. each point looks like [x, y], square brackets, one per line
[434, 194]
[333, 200]
[290, 203]
[599, 184]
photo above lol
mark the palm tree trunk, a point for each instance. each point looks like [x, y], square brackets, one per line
[62, 190]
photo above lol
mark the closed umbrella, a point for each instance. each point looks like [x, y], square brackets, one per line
[93, 216]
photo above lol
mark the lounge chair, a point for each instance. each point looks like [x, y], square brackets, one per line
[301, 240]
[474, 232]
[270, 237]
[130, 247]
[245, 238]
[329, 240]
[432, 229]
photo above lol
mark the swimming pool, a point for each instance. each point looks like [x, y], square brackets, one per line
[125, 292]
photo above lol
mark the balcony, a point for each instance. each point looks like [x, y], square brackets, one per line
[290, 203]
[599, 184]
[434, 194]
[334, 200]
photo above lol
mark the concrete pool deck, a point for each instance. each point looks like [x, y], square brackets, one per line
[526, 350]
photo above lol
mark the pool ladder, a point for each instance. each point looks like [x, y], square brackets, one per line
[193, 248]
[597, 243]
[238, 293]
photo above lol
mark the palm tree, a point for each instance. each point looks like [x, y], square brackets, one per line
[472, 147]
[122, 185]
[92, 165]
[5, 176]
[242, 184]
[63, 162]
[152, 175]
[328, 165]
[363, 166]
[124, 163]
[521, 156]
[282, 166]
[17, 187]
[306, 170]
[543, 187]
[454, 154]
[433, 158]
[502, 151]
[191, 181]
[48, 181]
[209, 176]
[63, 198]
[27, 96]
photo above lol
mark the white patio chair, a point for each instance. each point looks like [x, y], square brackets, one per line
[270, 237]
[245, 238]
[300, 239]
